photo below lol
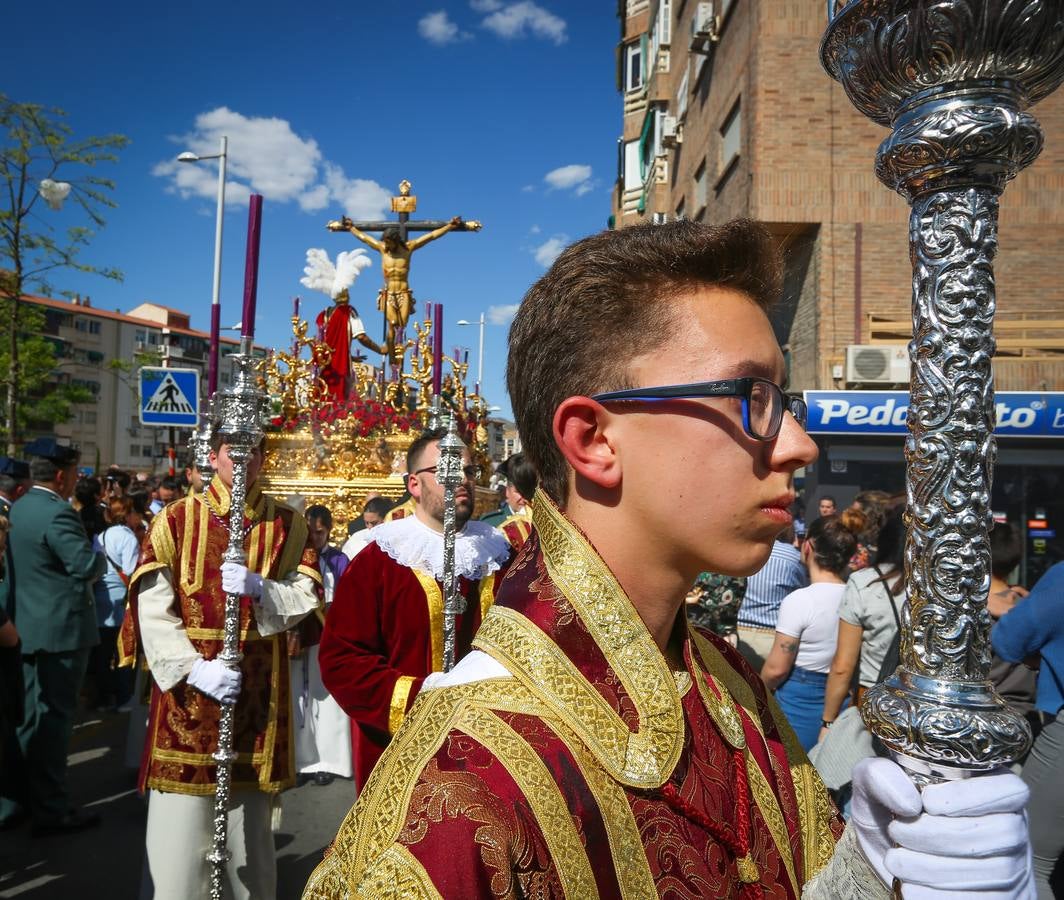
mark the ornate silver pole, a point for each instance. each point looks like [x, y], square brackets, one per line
[200, 443]
[449, 475]
[953, 80]
[240, 411]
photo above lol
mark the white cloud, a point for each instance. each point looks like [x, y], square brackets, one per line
[517, 20]
[535, 229]
[485, 6]
[549, 250]
[502, 315]
[574, 177]
[437, 28]
[528, 188]
[266, 156]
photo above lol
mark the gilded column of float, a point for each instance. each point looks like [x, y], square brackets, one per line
[953, 80]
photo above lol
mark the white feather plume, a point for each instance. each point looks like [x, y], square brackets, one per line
[321, 275]
[348, 265]
[319, 272]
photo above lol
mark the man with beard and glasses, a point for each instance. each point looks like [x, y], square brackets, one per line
[384, 631]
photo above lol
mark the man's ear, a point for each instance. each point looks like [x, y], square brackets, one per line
[582, 433]
[413, 486]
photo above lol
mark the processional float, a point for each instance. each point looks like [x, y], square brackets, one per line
[332, 440]
[953, 80]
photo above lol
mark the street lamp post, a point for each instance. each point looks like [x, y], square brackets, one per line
[480, 354]
[216, 309]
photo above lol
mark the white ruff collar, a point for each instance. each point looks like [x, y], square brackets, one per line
[479, 549]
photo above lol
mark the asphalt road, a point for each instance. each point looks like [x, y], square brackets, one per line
[107, 861]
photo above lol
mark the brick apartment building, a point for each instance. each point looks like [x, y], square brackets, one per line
[87, 340]
[727, 112]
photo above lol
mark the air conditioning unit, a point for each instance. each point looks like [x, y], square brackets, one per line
[877, 364]
[705, 27]
[670, 132]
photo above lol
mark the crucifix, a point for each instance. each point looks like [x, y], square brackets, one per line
[395, 298]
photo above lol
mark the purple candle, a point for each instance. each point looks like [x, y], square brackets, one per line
[251, 268]
[437, 347]
[295, 307]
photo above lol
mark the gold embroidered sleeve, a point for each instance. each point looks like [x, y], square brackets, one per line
[400, 698]
[396, 873]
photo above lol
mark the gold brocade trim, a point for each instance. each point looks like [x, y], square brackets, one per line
[544, 796]
[397, 874]
[642, 758]
[525, 650]
[210, 789]
[434, 602]
[732, 685]
[487, 593]
[192, 563]
[269, 742]
[188, 758]
[218, 497]
[145, 569]
[294, 546]
[310, 572]
[162, 542]
[814, 803]
[634, 877]
[196, 633]
[400, 696]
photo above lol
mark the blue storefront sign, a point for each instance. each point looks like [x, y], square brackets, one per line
[1019, 413]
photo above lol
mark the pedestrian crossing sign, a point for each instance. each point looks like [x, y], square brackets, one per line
[169, 397]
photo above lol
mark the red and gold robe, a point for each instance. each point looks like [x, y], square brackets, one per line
[517, 528]
[185, 547]
[383, 635]
[551, 782]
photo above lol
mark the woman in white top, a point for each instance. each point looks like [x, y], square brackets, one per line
[869, 616]
[797, 666]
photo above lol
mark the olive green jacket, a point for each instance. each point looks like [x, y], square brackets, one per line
[55, 567]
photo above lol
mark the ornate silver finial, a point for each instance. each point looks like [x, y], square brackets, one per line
[240, 412]
[449, 474]
[953, 80]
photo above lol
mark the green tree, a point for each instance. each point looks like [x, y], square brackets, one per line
[37, 148]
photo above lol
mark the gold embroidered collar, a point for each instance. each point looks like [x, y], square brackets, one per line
[218, 499]
[641, 757]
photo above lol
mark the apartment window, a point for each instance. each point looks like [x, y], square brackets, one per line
[633, 180]
[633, 65]
[731, 137]
[81, 325]
[681, 212]
[665, 22]
[153, 338]
[681, 94]
[94, 327]
[140, 335]
[701, 188]
[88, 417]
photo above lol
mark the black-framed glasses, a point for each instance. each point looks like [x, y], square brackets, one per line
[764, 402]
[471, 473]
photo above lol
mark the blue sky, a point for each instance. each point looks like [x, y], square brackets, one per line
[496, 110]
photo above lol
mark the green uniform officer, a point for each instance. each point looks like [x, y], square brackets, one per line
[55, 567]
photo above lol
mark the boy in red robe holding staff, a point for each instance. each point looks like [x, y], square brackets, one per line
[592, 744]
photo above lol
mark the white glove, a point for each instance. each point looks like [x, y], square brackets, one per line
[236, 579]
[960, 837]
[215, 679]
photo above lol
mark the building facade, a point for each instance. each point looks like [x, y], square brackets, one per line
[89, 341]
[727, 112]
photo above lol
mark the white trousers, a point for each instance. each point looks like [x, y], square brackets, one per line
[179, 838]
[322, 730]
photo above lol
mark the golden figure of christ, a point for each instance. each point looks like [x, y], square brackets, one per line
[395, 299]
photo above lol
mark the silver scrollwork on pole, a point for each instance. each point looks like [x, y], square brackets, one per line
[953, 79]
[240, 412]
[449, 475]
[200, 445]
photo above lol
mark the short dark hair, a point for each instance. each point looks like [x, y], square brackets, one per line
[417, 449]
[42, 469]
[522, 475]
[8, 484]
[141, 500]
[118, 476]
[320, 514]
[86, 490]
[379, 506]
[1006, 548]
[605, 301]
[824, 497]
[169, 482]
[218, 438]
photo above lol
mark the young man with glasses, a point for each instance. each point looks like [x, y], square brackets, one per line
[592, 745]
[384, 631]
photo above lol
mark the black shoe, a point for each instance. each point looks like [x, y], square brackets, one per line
[74, 820]
[323, 778]
[303, 778]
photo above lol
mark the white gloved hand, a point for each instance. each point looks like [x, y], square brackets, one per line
[237, 579]
[966, 837]
[215, 679]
